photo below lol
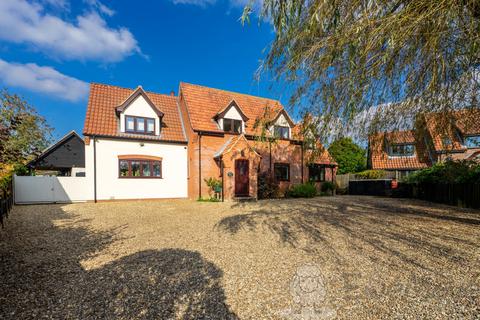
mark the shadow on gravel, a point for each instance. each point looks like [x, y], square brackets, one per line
[41, 276]
[393, 228]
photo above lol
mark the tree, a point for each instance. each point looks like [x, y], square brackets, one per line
[23, 132]
[379, 61]
[349, 156]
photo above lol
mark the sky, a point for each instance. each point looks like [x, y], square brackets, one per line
[50, 50]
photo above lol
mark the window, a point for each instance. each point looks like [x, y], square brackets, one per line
[316, 172]
[402, 150]
[281, 132]
[282, 171]
[472, 141]
[446, 142]
[232, 125]
[139, 125]
[133, 168]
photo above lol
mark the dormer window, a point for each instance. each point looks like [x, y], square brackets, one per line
[282, 132]
[401, 150]
[138, 115]
[232, 125]
[472, 141]
[139, 125]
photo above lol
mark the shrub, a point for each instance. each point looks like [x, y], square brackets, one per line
[327, 186]
[459, 171]
[304, 190]
[268, 188]
[214, 184]
[371, 174]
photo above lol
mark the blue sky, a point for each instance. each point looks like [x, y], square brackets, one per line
[51, 49]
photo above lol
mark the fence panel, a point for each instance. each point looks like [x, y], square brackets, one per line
[456, 194]
[50, 189]
[6, 202]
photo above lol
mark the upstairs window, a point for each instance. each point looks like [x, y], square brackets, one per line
[446, 142]
[316, 172]
[281, 171]
[472, 141]
[282, 132]
[402, 150]
[132, 168]
[232, 125]
[139, 125]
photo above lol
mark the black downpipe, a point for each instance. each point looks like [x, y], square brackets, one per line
[223, 180]
[302, 162]
[270, 151]
[199, 165]
[94, 170]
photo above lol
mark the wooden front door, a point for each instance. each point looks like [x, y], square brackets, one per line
[241, 178]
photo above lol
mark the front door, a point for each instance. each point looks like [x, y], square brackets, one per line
[241, 178]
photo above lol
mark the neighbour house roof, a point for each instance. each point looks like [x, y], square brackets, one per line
[439, 126]
[77, 160]
[204, 104]
[380, 159]
[102, 120]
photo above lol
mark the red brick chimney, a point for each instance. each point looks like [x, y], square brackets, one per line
[172, 93]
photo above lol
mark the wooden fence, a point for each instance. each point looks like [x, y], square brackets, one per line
[465, 195]
[6, 202]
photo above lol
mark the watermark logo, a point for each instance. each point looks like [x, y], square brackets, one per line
[309, 295]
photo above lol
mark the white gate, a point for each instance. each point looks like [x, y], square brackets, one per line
[50, 189]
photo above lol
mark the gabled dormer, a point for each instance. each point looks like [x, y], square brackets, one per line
[282, 125]
[231, 119]
[139, 115]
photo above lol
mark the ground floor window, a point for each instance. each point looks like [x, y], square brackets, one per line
[282, 171]
[316, 172]
[133, 168]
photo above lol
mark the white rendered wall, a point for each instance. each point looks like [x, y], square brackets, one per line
[140, 108]
[109, 186]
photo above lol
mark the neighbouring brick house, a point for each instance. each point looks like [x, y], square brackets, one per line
[437, 139]
[147, 145]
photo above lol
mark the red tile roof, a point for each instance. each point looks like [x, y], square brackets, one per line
[204, 103]
[440, 125]
[102, 120]
[380, 160]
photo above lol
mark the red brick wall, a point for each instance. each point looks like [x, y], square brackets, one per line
[282, 151]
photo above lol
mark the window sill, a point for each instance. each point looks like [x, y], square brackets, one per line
[140, 133]
[140, 177]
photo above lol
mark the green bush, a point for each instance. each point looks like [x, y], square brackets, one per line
[371, 174]
[268, 188]
[327, 186]
[459, 171]
[305, 190]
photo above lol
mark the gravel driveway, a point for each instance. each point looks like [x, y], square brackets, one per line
[342, 257]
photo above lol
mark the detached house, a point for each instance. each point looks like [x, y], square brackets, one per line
[141, 144]
[436, 140]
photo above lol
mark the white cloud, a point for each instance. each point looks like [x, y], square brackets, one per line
[89, 38]
[41, 79]
[99, 6]
[200, 3]
[62, 4]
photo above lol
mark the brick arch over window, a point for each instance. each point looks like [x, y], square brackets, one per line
[138, 157]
